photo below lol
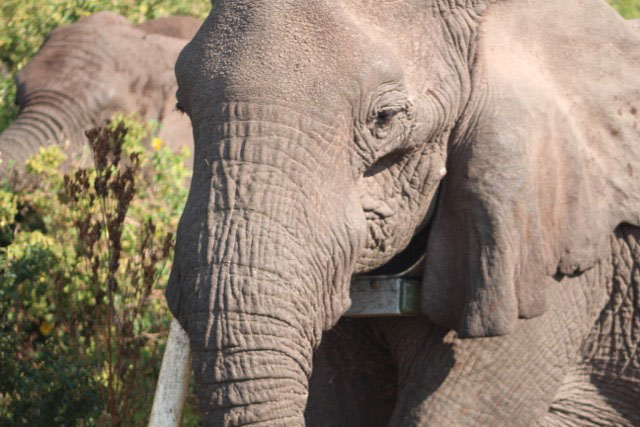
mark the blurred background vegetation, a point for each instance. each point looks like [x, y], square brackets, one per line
[630, 9]
[84, 258]
[83, 262]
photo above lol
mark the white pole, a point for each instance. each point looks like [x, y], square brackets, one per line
[173, 382]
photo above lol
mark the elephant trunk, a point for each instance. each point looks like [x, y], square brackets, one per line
[260, 268]
[252, 342]
[45, 119]
[252, 366]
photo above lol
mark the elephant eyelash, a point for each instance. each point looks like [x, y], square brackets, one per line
[179, 107]
[385, 117]
[382, 119]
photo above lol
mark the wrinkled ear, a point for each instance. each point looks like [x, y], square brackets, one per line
[547, 168]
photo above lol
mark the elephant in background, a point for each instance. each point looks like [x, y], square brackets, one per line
[86, 72]
[503, 137]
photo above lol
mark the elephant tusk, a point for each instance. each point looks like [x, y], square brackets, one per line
[173, 381]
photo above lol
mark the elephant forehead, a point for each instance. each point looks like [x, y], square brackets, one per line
[314, 51]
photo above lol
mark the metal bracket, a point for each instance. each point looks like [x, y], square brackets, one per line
[379, 297]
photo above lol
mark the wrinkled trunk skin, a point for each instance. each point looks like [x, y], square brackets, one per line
[260, 269]
[252, 340]
[251, 366]
[39, 126]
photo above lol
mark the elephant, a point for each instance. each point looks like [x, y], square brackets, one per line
[500, 138]
[86, 72]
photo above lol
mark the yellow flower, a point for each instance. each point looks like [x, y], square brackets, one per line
[157, 144]
[46, 328]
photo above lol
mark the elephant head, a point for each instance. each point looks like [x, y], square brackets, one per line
[327, 134]
[86, 72]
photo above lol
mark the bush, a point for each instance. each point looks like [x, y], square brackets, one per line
[630, 9]
[8, 109]
[82, 270]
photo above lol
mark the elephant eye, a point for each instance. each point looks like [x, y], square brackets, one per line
[384, 117]
[389, 118]
[179, 107]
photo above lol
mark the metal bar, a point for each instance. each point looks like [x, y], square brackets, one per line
[384, 297]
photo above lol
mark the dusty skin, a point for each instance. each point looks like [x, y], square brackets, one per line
[322, 132]
[86, 72]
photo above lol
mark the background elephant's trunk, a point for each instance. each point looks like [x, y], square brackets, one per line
[47, 120]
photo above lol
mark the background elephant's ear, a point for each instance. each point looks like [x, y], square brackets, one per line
[547, 168]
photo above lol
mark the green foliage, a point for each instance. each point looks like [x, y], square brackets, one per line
[8, 208]
[83, 319]
[51, 387]
[8, 109]
[630, 9]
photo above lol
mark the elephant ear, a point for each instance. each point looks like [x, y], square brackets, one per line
[547, 166]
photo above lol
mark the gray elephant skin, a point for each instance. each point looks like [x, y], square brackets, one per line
[86, 72]
[503, 135]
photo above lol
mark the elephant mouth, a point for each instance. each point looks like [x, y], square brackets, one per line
[409, 263]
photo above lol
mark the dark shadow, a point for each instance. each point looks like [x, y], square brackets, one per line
[368, 371]
[424, 361]
[354, 379]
